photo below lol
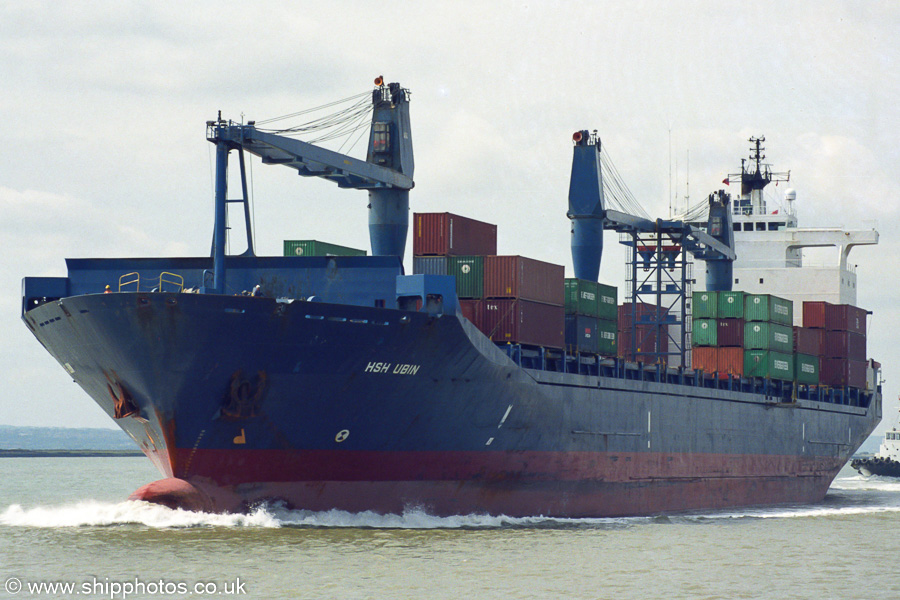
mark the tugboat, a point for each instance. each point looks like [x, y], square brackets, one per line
[886, 462]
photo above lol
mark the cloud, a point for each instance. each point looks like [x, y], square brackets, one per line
[106, 106]
[844, 178]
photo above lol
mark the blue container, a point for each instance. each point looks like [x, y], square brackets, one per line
[430, 265]
[582, 334]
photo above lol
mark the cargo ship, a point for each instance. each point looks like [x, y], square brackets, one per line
[480, 383]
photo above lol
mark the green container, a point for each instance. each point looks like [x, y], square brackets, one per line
[730, 305]
[763, 307]
[469, 272]
[607, 302]
[606, 332]
[769, 364]
[705, 305]
[582, 297]
[806, 369]
[704, 332]
[760, 335]
[316, 248]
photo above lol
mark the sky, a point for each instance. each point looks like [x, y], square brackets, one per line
[105, 105]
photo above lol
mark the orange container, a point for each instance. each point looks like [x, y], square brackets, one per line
[704, 358]
[730, 361]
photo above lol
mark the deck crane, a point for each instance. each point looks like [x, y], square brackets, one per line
[387, 172]
[656, 245]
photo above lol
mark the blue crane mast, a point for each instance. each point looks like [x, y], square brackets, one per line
[387, 172]
[658, 249]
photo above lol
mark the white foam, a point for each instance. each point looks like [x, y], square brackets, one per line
[92, 513]
[860, 483]
[804, 512]
[100, 514]
[416, 518]
[850, 495]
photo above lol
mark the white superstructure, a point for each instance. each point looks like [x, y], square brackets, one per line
[769, 244]
[890, 446]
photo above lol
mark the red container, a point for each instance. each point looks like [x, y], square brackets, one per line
[524, 322]
[814, 314]
[808, 341]
[730, 333]
[834, 317]
[643, 310]
[844, 344]
[731, 360]
[843, 317]
[624, 349]
[446, 234]
[524, 278]
[842, 372]
[471, 309]
[646, 340]
[623, 345]
[705, 358]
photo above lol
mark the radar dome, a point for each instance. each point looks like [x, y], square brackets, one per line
[790, 194]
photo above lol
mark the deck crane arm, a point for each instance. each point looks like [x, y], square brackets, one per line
[310, 160]
[589, 216]
[387, 172]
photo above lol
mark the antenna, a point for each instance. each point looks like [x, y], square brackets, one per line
[670, 172]
[676, 183]
[687, 184]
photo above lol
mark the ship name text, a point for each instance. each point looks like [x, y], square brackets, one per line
[393, 369]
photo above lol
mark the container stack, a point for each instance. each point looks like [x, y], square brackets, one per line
[717, 332]
[448, 244]
[743, 335]
[768, 337]
[524, 301]
[807, 344]
[591, 317]
[317, 248]
[635, 327]
[842, 342]
[509, 298]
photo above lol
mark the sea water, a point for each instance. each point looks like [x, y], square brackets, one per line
[65, 522]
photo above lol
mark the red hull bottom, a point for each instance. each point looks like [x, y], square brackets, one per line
[445, 498]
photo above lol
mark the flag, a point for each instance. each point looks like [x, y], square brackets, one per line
[725, 181]
[775, 213]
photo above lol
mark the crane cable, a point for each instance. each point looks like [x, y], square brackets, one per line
[342, 123]
[615, 191]
[315, 108]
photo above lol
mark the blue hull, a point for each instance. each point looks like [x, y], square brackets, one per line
[241, 399]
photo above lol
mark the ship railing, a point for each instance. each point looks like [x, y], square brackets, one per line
[775, 391]
[166, 282]
[129, 279]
